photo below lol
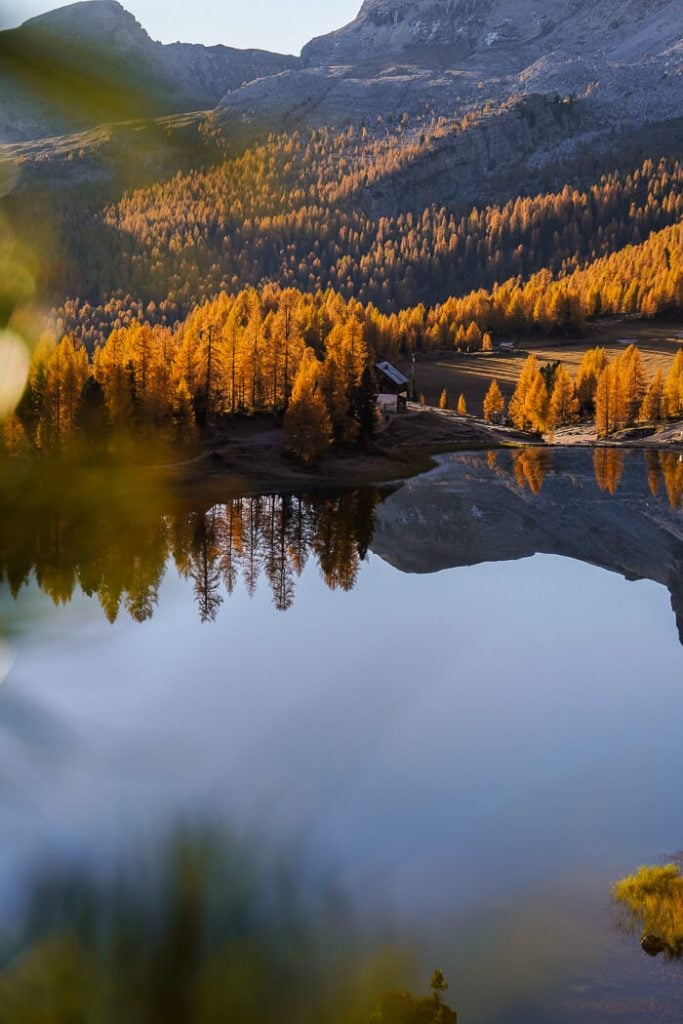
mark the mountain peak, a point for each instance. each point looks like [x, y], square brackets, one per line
[102, 50]
[461, 28]
[92, 20]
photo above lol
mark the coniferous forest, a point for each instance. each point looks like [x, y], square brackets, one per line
[264, 281]
[341, 482]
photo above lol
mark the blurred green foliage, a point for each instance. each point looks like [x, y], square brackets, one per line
[207, 930]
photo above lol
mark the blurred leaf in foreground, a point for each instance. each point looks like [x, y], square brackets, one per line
[208, 929]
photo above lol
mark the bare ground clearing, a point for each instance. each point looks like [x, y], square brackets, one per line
[249, 456]
[472, 374]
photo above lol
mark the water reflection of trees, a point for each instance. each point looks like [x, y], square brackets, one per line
[114, 534]
[666, 468]
[117, 547]
[271, 536]
[608, 464]
[530, 466]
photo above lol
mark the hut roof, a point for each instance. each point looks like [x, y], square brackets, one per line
[392, 374]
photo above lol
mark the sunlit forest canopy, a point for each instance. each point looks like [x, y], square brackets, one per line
[175, 244]
[295, 210]
[306, 361]
[292, 215]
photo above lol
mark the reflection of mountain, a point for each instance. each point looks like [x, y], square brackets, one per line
[116, 539]
[473, 509]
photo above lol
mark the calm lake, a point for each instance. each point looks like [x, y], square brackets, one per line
[461, 699]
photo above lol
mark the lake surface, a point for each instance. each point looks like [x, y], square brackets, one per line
[462, 699]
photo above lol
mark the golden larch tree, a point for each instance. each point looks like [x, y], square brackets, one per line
[335, 392]
[494, 403]
[610, 409]
[564, 405]
[593, 363]
[517, 409]
[633, 383]
[307, 424]
[654, 406]
[114, 372]
[536, 404]
[673, 388]
[473, 337]
[65, 376]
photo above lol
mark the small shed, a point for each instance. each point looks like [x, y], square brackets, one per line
[392, 388]
[506, 346]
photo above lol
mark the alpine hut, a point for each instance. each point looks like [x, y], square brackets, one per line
[392, 388]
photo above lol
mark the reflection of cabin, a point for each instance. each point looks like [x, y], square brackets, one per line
[392, 388]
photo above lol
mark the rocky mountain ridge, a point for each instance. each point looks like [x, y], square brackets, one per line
[619, 61]
[486, 29]
[103, 43]
[527, 87]
[624, 58]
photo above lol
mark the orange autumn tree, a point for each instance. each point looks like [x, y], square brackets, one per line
[673, 388]
[593, 363]
[654, 406]
[528, 408]
[633, 383]
[517, 406]
[564, 405]
[114, 373]
[307, 423]
[609, 401]
[65, 372]
[494, 403]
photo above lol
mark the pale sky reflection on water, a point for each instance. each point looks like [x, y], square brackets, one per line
[413, 722]
[478, 752]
